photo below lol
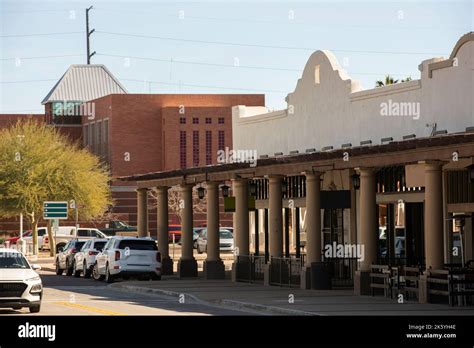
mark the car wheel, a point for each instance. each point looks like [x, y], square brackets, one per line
[77, 273]
[108, 277]
[68, 269]
[86, 272]
[155, 277]
[95, 273]
[35, 308]
[59, 271]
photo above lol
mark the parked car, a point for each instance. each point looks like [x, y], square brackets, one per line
[20, 285]
[226, 241]
[115, 226]
[63, 235]
[123, 257]
[14, 240]
[196, 232]
[42, 232]
[84, 260]
[64, 260]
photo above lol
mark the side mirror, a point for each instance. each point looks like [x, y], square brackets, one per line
[35, 267]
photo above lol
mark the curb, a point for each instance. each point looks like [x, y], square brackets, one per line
[269, 310]
[221, 303]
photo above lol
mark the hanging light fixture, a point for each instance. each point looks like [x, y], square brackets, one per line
[253, 188]
[201, 192]
[225, 190]
[355, 181]
[284, 188]
[470, 170]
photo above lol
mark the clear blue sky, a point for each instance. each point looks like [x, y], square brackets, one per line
[371, 38]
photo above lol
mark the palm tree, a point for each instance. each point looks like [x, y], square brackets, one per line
[388, 81]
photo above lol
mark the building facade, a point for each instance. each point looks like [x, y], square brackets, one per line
[385, 174]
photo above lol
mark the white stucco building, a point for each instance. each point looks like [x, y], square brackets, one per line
[328, 108]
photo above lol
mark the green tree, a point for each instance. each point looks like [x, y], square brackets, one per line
[39, 164]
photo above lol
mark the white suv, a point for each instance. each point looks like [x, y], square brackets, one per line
[20, 285]
[128, 256]
[84, 260]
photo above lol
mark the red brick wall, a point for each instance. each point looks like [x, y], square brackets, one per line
[147, 127]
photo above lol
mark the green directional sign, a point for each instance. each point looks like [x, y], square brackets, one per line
[55, 210]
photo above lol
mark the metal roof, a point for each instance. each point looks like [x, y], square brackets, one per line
[84, 83]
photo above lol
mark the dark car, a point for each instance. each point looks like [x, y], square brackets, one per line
[65, 258]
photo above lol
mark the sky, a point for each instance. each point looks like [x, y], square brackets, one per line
[218, 46]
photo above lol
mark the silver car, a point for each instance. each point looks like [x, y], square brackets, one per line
[84, 260]
[226, 241]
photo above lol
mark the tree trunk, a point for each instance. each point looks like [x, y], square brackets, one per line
[52, 241]
[35, 236]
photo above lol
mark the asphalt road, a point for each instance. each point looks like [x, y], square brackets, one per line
[64, 295]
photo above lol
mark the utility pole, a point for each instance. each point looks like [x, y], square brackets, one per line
[88, 34]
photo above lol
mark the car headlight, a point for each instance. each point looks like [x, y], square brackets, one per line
[33, 279]
[36, 288]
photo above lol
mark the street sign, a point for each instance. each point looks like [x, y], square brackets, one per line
[55, 210]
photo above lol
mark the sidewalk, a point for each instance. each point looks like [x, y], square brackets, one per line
[259, 299]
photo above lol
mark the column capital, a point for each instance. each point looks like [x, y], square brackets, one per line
[311, 174]
[162, 188]
[432, 165]
[212, 184]
[275, 176]
[142, 189]
[366, 171]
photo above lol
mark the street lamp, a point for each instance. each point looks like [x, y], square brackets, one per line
[225, 190]
[355, 181]
[200, 191]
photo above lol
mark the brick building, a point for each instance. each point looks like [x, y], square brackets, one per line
[141, 133]
[138, 133]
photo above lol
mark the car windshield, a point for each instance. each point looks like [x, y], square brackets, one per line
[79, 245]
[12, 260]
[225, 234]
[133, 244]
[99, 245]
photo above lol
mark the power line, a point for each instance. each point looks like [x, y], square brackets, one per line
[226, 43]
[43, 57]
[42, 34]
[203, 86]
[197, 63]
[172, 61]
[28, 81]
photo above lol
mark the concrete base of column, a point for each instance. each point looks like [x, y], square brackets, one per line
[214, 269]
[233, 274]
[167, 266]
[187, 268]
[266, 274]
[305, 278]
[362, 283]
[423, 289]
[320, 273]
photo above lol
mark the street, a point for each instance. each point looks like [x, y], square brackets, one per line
[63, 295]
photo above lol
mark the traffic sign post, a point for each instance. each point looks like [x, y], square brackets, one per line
[55, 210]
